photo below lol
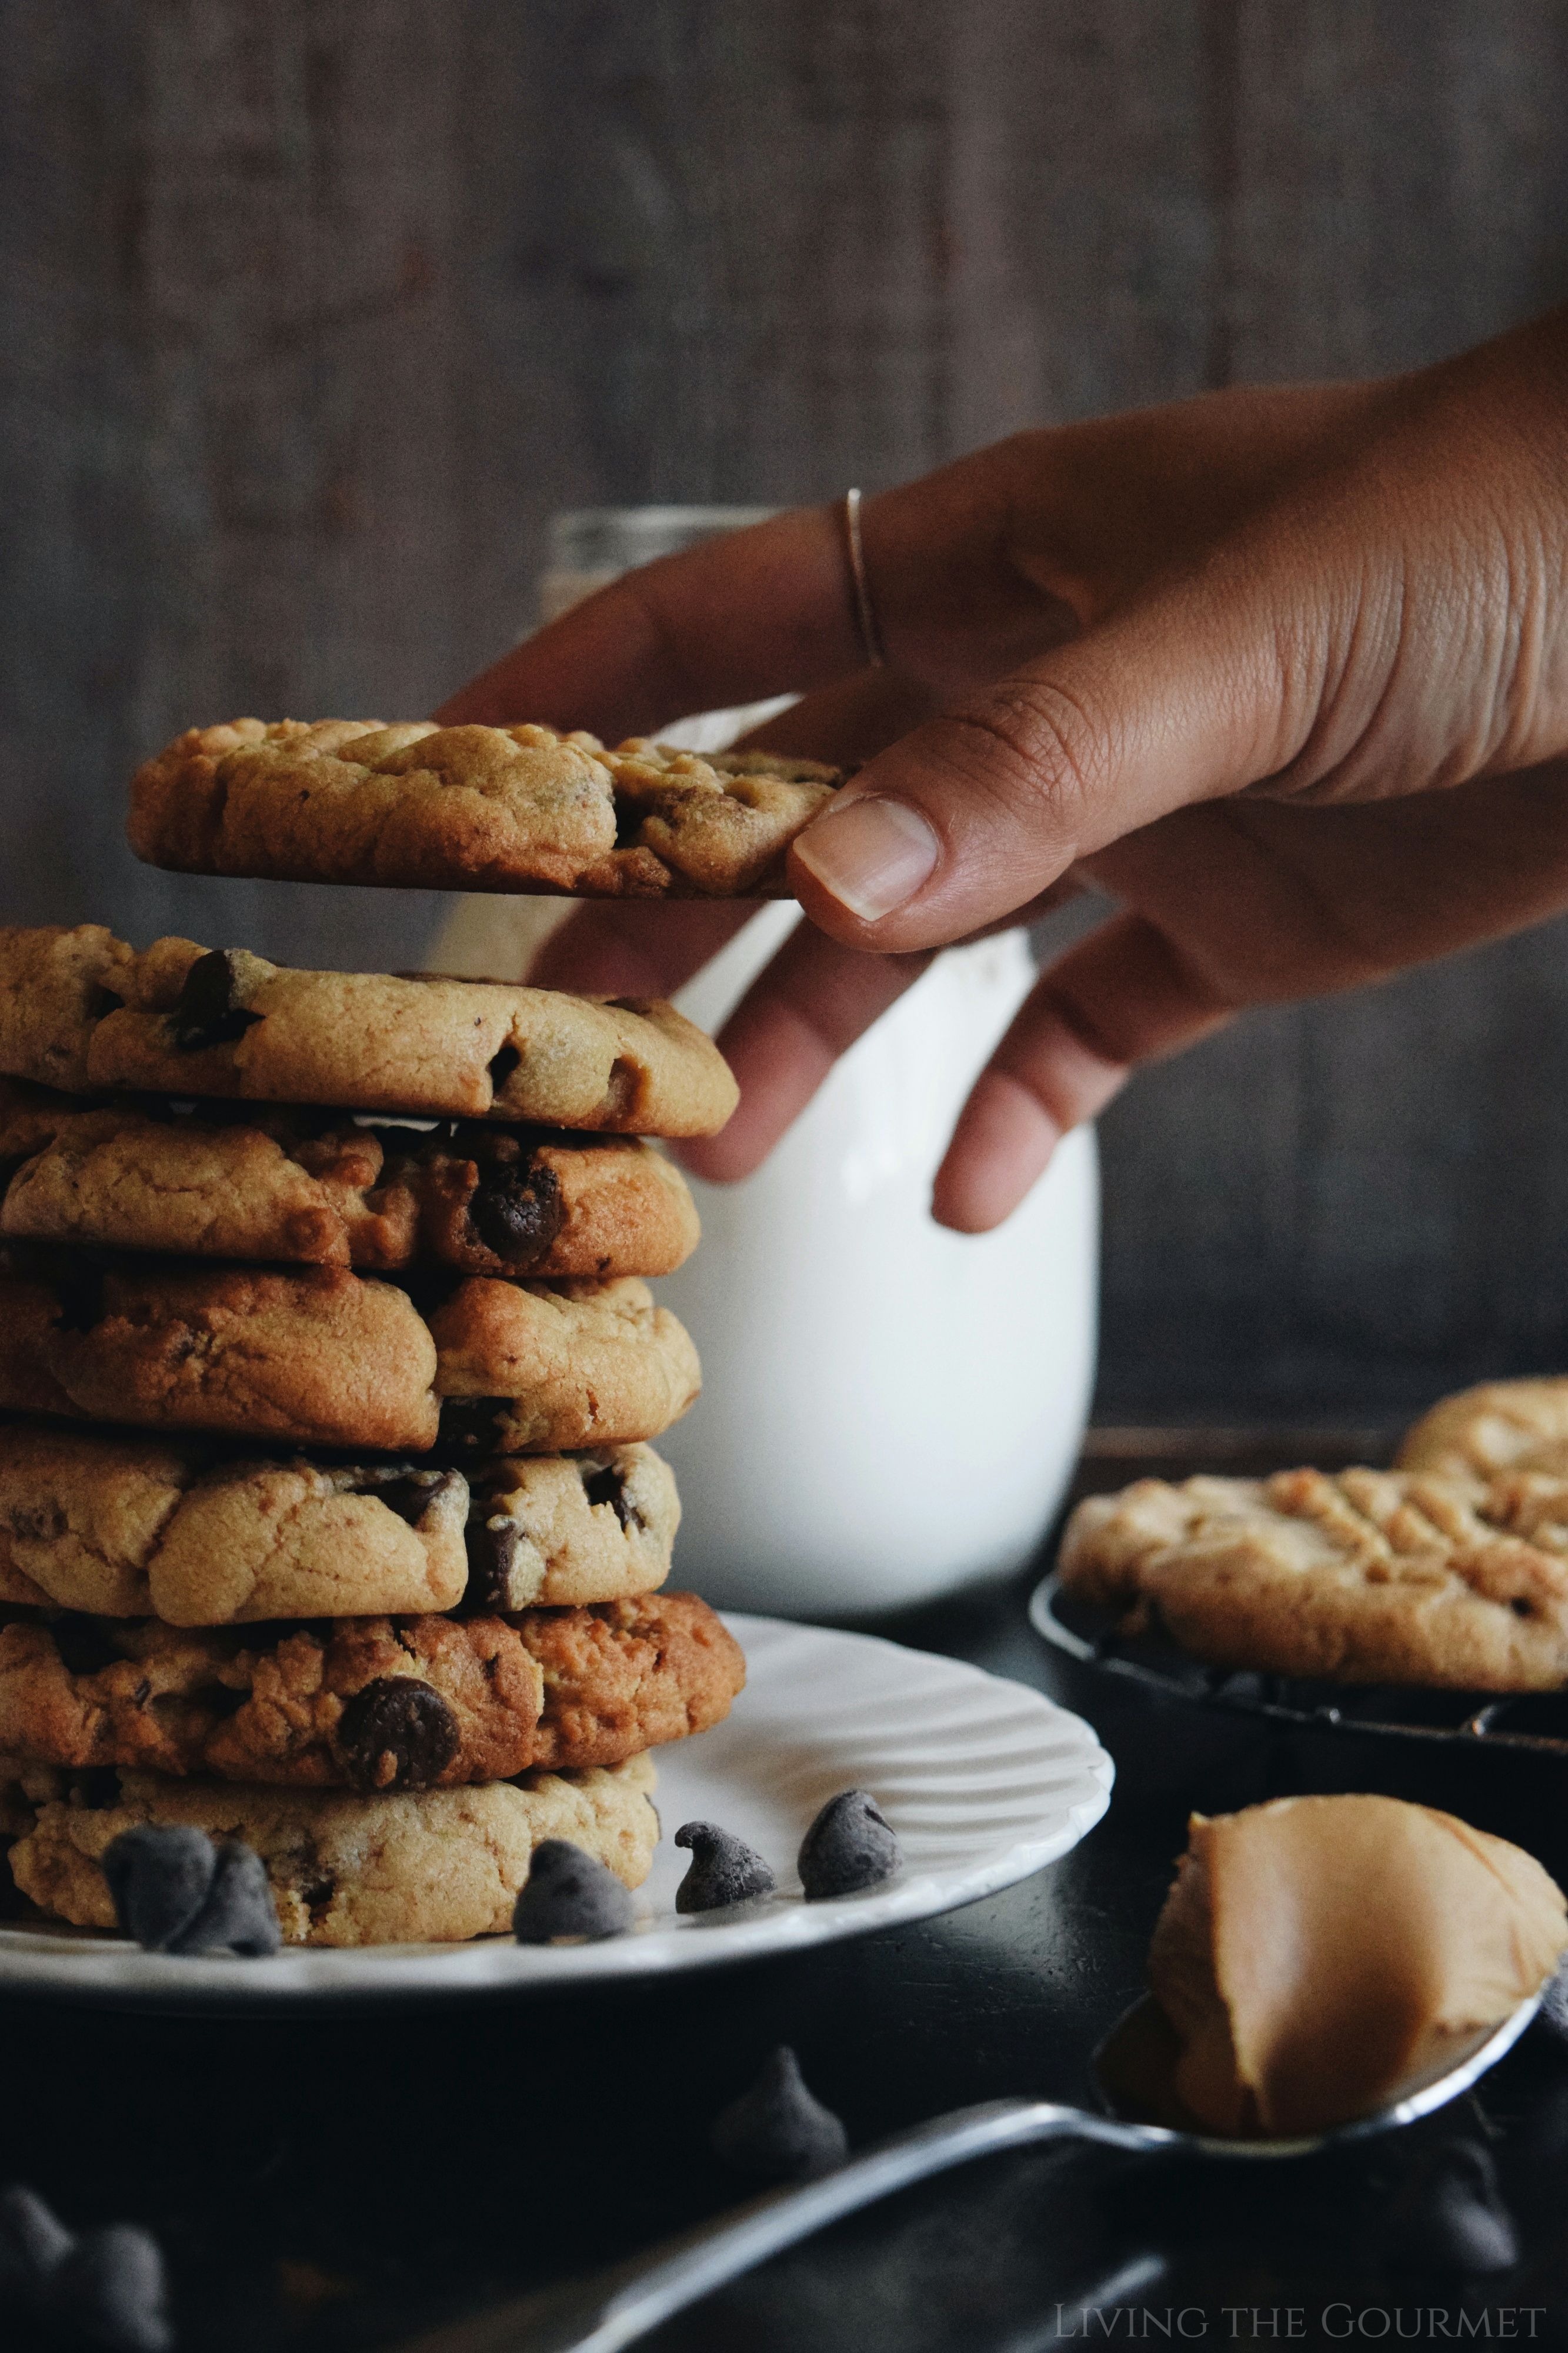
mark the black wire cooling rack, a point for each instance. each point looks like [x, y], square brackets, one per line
[1526, 1722]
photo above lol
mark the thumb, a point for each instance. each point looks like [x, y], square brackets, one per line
[1181, 699]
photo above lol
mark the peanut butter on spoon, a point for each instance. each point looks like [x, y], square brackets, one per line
[1316, 1954]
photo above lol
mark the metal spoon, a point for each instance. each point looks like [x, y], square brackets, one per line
[1132, 2070]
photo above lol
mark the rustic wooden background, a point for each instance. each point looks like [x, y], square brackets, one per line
[314, 309]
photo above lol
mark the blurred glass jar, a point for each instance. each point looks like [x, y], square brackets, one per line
[889, 1411]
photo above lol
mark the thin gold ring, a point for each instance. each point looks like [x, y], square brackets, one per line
[864, 610]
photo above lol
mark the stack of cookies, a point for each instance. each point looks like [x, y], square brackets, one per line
[328, 1365]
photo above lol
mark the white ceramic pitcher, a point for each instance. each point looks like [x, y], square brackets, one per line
[889, 1409]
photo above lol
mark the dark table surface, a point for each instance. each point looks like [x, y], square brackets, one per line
[350, 2180]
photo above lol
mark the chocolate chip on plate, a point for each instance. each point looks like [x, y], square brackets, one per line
[177, 1892]
[159, 1876]
[1448, 2215]
[723, 1871]
[396, 1734]
[209, 1010]
[850, 1846]
[109, 2291]
[239, 1915]
[778, 2131]
[569, 1894]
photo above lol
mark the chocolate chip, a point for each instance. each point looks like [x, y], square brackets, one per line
[569, 1894]
[32, 2240]
[396, 1734]
[84, 1648]
[518, 1212]
[778, 2131]
[605, 1483]
[159, 1876]
[473, 1426]
[238, 1914]
[412, 1495]
[723, 1870]
[108, 2290]
[501, 1066]
[491, 1541]
[850, 1845]
[209, 1010]
[1448, 2214]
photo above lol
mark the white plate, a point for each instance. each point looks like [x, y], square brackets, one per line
[984, 1781]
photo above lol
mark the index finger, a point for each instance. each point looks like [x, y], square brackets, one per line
[759, 612]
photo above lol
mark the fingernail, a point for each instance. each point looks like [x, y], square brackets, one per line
[870, 854]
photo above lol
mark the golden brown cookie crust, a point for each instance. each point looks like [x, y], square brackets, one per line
[222, 1022]
[561, 1530]
[472, 809]
[322, 1358]
[55, 985]
[369, 1703]
[1365, 1576]
[433, 1866]
[126, 1527]
[578, 1364]
[316, 1358]
[1500, 1426]
[287, 1186]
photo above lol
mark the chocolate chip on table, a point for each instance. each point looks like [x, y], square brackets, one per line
[209, 1010]
[159, 1876]
[605, 1483]
[723, 1870]
[850, 1846]
[1448, 2216]
[33, 2240]
[569, 1894]
[177, 1891]
[396, 1734]
[491, 1540]
[109, 2291]
[517, 1212]
[778, 2131]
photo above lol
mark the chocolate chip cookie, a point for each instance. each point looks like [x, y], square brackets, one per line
[55, 985]
[555, 1529]
[322, 1357]
[126, 1527]
[530, 1367]
[1365, 1576]
[368, 1703]
[319, 1357]
[433, 1866]
[225, 1023]
[472, 809]
[290, 1186]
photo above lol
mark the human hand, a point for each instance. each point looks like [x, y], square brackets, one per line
[1285, 671]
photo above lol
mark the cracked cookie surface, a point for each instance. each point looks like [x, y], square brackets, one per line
[183, 1020]
[287, 1186]
[472, 809]
[419, 1866]
[368, 1703]
[1363, 1577]
[1500, 1426]
[126, 1527]
[323, 1357]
